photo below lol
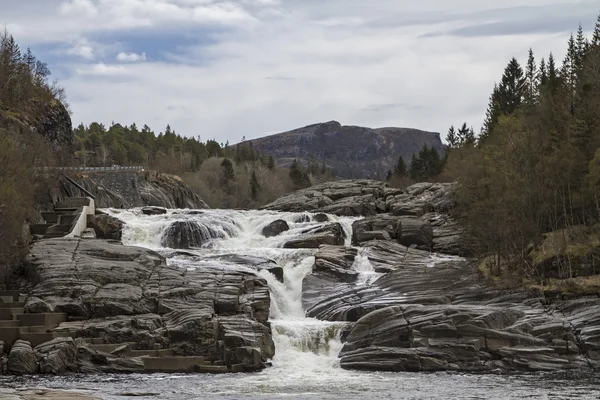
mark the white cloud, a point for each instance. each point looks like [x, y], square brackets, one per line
[131, 57]
[83, 50]
[275, 65]
[102, 70]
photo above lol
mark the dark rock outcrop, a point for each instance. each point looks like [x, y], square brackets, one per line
[21, 359]
[124, 189]
[57, 356]
[352, 151]
[275, 228]
[331, 234]
[425, 209]
[106, 226]
[153, 210]
[188, 234]
[127, 294]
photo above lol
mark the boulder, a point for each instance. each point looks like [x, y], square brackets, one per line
[106, 226]
[188, 234]
[153, 210]
[320, 217]
[331, 234]
[275, 228]
[387, 227]
[57, 356]
[92, 362]
[258, 263]
[416, 231]
[21, 359]
[336, 261]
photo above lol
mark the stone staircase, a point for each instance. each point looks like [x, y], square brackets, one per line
[16, 324]
[61, 221]
[162, 360]
[40, 328]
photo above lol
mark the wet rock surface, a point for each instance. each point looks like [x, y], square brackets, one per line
[331, 234]
[275, 228]
[119, 294]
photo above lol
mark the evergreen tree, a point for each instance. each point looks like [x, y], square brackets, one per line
[227, 172]
[400, 169]
[389, 175]
[531, 79]
[553, 80]
[512, 88]
[298, 176]
[582, 46]
[491, 115]
[596, 35]
[569, 67]
[254, 186]
[271, 163]
[542, 78]
[452, 138]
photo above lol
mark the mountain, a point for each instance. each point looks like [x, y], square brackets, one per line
[352, 151]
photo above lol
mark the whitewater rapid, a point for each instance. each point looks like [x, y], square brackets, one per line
[302, 344]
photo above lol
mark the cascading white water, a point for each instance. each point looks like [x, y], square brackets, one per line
[301, 343]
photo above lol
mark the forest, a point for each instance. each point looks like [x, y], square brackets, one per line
[529, 183]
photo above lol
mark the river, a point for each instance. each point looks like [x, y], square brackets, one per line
[305, 365]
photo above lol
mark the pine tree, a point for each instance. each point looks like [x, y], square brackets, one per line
[491, 116]
[596, 35]
[389, 175]
[512, 88]
[452, 138]
[542, 78]
[531, 77]
[271, 163]
[298, 176]
[254, 186]
[416, 168]
[552, 73]
[569, 67]
[463, 134]
[400, 168]
[228, 174]
[582, 47]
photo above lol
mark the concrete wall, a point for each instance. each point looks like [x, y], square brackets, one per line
[81, 224]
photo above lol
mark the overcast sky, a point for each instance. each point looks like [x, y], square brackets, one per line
[230, 68]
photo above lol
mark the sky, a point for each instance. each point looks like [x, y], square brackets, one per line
[228, 69]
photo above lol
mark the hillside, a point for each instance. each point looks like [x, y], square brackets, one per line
[352, 151]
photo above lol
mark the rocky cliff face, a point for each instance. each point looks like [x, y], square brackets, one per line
[352, 151]
[51, 120]
[134, 189]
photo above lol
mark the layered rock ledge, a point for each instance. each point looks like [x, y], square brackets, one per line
[123, 296]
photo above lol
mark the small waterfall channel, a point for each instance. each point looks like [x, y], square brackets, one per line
[302, 344]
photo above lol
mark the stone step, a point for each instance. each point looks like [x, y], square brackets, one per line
[151, 353]
[51, 320]
[34, 329]
[13, 304]
[39, 229]
[39, 338]
[10, 295]
[212, 369]
[10, 313]
[54, 235]
[10, 324]
[50, 217]
[110, 347]
[8, 335]
[172, 364]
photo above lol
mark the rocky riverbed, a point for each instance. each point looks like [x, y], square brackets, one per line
[307, 281]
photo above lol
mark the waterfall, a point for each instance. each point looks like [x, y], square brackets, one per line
[301, 343]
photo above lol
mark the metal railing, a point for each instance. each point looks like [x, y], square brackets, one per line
[98, 169]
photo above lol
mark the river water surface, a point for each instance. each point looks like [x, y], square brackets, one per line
[306, 364]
